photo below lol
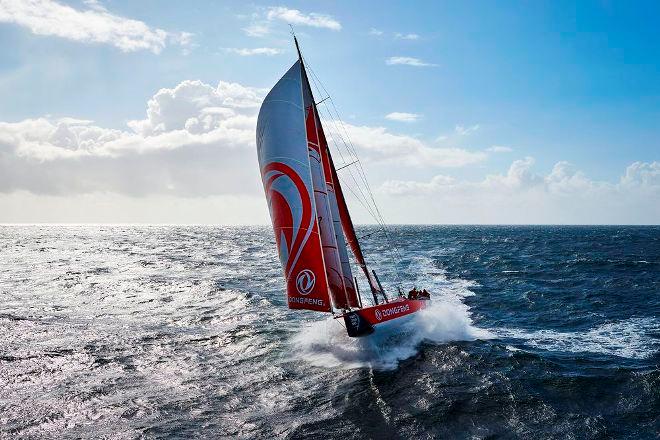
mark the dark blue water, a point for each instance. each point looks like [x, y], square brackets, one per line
[182, 332]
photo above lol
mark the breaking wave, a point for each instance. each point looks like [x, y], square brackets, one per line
[634, 338]
[447, 318]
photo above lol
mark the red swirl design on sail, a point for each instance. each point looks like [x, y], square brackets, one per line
[283, 214]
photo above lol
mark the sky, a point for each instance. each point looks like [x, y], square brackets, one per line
[460, 112]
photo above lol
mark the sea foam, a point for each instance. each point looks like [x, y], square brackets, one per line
[447, 318]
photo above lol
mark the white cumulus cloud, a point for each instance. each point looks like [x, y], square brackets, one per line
[377, 144]
[294, 16]
[564, 195]
[94, 25]
[195, 140]
[642, 174]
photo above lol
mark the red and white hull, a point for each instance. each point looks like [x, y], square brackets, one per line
[394, 309]
[361, 322]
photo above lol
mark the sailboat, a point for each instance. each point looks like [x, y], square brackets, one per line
[311, 220]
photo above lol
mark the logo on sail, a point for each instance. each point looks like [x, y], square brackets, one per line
[305, 281]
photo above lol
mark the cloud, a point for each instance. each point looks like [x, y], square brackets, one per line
[269, 51]
[375, 32]
[400, 36]
[459, 132]
[464, 131]
[195, 140]
[257, 30]
[407, 61]
[199, 107]
[411, 187]
[377, 144]
[95, 25]
[642, 174]
[402, 116]
[499, 149]
[564, 195]
[518, 176]
[294, 16]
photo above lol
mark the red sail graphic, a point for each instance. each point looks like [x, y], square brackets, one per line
[305, 289]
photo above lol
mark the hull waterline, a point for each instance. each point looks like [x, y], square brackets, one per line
[362, 322]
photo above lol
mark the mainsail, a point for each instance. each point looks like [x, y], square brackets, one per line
[285, 172]
[309, 213]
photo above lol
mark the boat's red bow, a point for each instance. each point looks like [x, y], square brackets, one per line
[360, 322]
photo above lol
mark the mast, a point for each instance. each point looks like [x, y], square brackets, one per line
[295, 40]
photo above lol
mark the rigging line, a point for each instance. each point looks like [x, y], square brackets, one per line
[357, 198]
[349, 146]
[348, 165]
[359, 193]
[364, 203]
[351, 149]
[363, 176]
[376, 215]
[380, 220]
[364, 200]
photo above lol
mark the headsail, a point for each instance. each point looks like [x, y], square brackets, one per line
[334, 194]
[341, 287]
[285, 171]
[349, 231]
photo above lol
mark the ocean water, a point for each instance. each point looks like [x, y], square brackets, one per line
[182, 332]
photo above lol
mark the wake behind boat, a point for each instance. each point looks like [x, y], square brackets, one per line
[312, 224]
